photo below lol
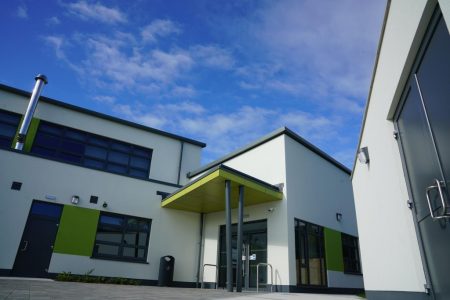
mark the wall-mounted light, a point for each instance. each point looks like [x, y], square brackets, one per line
[105, 205]
[363, 155]
[75, 199]
[338, 217]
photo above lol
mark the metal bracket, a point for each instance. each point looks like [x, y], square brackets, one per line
[410, 204]
[395, 133]
[427, 288]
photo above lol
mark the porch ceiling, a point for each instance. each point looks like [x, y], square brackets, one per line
[207, 193]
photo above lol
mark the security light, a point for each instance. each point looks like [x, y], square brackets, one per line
[75, 199]
[363, 155]
[338, 217]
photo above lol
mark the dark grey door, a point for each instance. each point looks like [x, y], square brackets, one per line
[36, 246]
[424, 129]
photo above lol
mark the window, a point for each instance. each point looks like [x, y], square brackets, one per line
[310, 254]
[9, 123]
[90, 150]
[121, 237]
[350, 251]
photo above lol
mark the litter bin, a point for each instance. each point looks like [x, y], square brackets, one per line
[166, 264]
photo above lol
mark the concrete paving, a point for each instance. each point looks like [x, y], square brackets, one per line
[40, 289]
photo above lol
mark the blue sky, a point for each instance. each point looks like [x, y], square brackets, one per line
[222, 72]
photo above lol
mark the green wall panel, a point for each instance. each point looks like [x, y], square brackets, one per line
[77, 229]
[333, 250]
[31, 134]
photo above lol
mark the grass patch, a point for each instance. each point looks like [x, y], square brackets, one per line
[362, 295]
[88, 278]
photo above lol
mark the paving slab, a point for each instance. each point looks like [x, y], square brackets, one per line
[20, 288]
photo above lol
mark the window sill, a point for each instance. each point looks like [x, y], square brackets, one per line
[353, 273]
[121, 260]
[312, 286]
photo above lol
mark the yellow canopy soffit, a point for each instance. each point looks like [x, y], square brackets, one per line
[207, 194]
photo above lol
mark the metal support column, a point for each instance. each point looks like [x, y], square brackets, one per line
[200, 244]
[228, 235]
[239, 239]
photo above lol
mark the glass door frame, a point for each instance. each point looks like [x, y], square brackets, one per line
[437, 15]
[246, 280]
[323, 267]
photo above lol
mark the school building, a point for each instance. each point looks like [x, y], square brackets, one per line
[88, 192]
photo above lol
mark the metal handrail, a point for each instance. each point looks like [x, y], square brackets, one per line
[257, 276]
[217, 274]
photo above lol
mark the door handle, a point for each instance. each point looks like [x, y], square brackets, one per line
[25, 246]
[438, 186]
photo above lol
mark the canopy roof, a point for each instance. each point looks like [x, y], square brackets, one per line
[207, 193]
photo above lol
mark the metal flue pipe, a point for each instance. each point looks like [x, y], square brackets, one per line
[40, 81]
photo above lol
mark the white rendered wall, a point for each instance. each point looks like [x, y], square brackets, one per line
[173, 232]
[190, 161]
[389, 247]
[166, 150]
[316, 190]
[267, 163]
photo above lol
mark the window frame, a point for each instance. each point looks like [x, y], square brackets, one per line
[123, 229]
[320, 235]
[9, 140]
[88, 139]
[354, 247]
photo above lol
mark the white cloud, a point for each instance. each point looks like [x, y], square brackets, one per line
[183, 92]
[53, 21]
[58, 43]
[159, 28]
[22, 12]
[110, 100]
[347, 105]
[185, 107]
[316, 50]
[317, 128]
[111, 63]
[213, 56]
[96, 12]
[120, 61]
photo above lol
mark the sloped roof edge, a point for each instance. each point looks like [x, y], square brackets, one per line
[264, 139]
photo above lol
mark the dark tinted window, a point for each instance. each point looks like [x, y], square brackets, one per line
[89, 150]
[46, 209]
[122, 237]
[310, 254]
[9, 123]
[350, 252]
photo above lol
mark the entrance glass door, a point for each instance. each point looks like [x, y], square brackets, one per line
[254, 251]
[423, 124]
